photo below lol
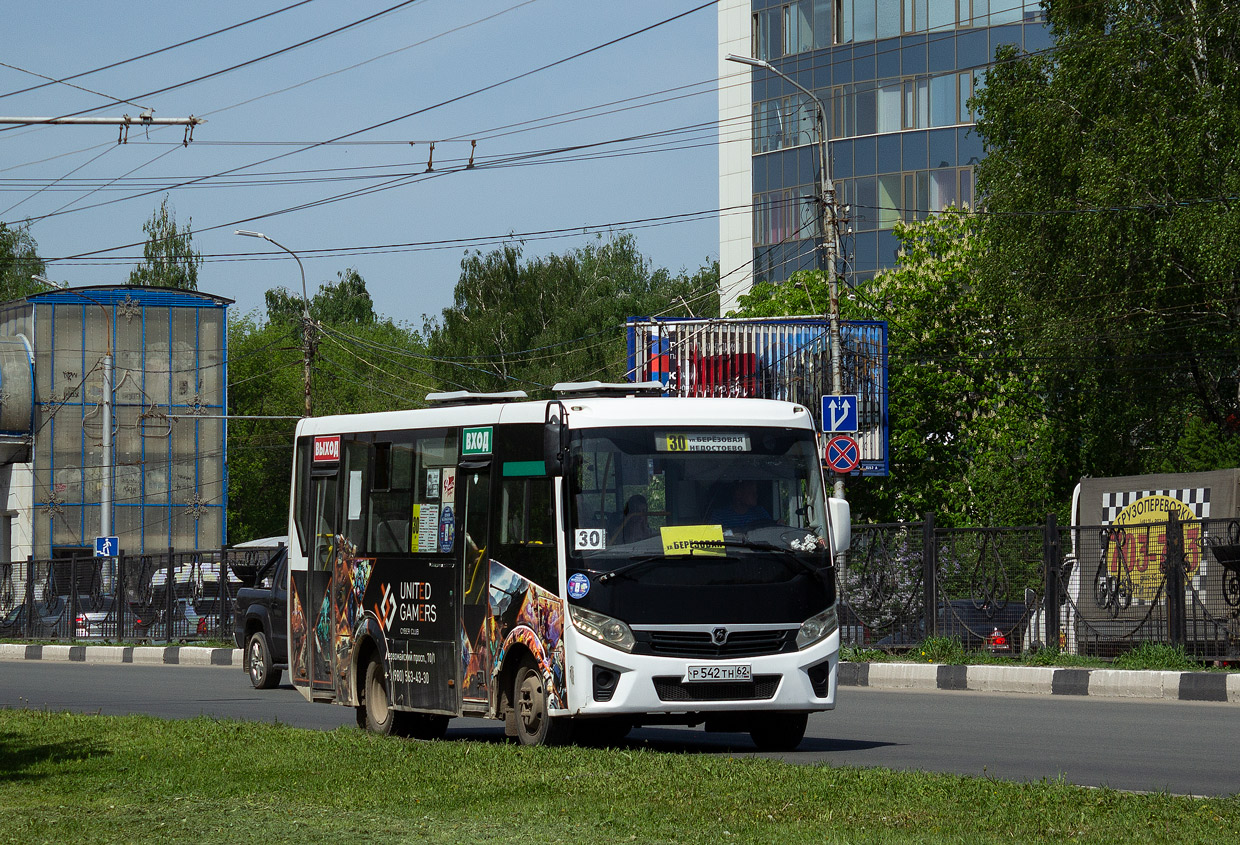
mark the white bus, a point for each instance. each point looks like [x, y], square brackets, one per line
[573, 567]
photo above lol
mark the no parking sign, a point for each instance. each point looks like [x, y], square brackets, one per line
[843, 454]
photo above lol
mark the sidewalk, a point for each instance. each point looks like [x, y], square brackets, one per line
[141, 654]
[1111, 683]
[1038, 680]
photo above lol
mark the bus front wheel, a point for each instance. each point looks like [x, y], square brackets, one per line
[778, 731]
[535, 726]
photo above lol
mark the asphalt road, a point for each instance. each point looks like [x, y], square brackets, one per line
[1177, 747]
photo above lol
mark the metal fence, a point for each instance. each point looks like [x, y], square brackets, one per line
[1111, 588]
[168, 597]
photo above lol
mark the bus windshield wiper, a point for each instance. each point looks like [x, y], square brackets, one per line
[644, 560]
[785, 553]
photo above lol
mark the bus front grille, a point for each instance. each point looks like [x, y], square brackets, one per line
[698, 644]
[672, 688]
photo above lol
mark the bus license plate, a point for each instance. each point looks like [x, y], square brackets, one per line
[719, 673]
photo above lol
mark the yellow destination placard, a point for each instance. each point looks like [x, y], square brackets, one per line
[693, 540]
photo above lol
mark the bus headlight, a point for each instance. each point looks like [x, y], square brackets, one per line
[818, 627]
[606, 630]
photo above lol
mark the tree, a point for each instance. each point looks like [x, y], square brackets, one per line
[344, 301]
[264, 379]
[171, 260]
[1113, 228]
[968, 437]
[526, 324]
[19, 261]
[362, 362]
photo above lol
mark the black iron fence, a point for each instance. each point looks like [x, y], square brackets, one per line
[159, 598]
[1097, 590]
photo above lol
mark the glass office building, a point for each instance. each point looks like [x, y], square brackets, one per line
[894, 77]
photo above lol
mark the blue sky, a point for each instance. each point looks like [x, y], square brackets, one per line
[417, 58]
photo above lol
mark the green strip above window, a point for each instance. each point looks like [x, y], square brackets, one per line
[524, 468]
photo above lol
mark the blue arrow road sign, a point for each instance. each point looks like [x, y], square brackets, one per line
[839, 413]
[107, 546]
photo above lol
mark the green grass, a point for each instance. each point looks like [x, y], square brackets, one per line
[67, 777]
[948, 650]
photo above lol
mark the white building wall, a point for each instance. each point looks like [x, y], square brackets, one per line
[735, 155]
[16, 505]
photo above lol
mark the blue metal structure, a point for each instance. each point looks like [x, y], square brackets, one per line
[169, 403]
[784, 358]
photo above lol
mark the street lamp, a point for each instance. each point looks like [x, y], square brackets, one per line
[307, 324]
[828, 217]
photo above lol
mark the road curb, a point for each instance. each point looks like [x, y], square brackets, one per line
[116, 654]
[1029, 680]
[1038, 680]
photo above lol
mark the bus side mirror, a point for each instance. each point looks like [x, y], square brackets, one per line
[554, 437]
[840, 514]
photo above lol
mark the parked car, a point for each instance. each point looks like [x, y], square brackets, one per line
[260, 620]
[104, 623]
[46, 624]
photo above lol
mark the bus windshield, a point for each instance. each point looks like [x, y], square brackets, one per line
[642, 493]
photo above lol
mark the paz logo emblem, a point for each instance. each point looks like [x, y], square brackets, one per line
[719, 636]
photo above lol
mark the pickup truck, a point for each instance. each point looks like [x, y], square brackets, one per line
[260, 622]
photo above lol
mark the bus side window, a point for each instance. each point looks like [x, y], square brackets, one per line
[527, 532]
[324, 521]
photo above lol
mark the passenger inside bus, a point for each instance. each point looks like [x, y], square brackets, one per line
[636, 523]
[741, 510]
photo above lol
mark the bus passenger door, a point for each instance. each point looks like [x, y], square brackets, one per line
[474, 505]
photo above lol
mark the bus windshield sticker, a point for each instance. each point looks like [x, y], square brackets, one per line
[693, 540]
[432, 484]
[701, 441]
[578, 586]
[589, 540]
[477, 441]
[447, 486]
[427, 517]
[355, 495]
[447, 529]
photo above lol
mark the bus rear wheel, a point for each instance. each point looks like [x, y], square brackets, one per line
[380, 718]
[535, 726]
[778, 731]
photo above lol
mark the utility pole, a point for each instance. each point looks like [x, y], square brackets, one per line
[147, 118]
[307, 324]
[829, 236]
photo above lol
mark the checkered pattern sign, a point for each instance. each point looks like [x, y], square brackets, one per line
[1197, 499]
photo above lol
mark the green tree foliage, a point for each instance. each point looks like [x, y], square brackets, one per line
[343, 302]
[527, 323]
[362, 362]
[1112, 186]
[19, 260]
[171, 260]
[264, 379]
[968, 440]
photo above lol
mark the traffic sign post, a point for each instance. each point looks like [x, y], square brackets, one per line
[843, 454]
[839, 413]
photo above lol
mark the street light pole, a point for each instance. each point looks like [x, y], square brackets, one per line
[829, 241]
[307, 323]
